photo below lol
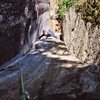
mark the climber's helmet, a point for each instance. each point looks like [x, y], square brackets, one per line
[45, 33]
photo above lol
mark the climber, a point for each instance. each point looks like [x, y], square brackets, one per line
[49, 33]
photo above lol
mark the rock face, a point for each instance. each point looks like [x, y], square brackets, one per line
[10, 30]
[42, 1]
[80, 38]
[1, 18]
[55, 72]
[16, 35]
[42, 21]
[9, 43]
[50, 72]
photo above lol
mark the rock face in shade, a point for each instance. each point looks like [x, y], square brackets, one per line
[1, 18]
[50, 70]
[9, 43]
[42, 7]
[12, 37]
[10, 12]
[42, 1]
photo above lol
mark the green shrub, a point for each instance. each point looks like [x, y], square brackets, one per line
[91, 12]
[64, 6]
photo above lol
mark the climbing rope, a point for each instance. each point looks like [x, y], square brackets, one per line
[24, 94]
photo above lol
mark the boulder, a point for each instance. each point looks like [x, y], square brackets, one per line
[48, 70]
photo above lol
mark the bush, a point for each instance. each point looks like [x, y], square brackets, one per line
[91, 12]
[64, 6]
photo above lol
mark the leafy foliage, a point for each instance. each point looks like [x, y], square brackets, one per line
[91, 12]
[64, 6]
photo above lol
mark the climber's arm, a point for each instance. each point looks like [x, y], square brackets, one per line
[41, 36]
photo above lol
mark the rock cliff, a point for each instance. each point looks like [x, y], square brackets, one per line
[81, 37]
[51, 69]
[10, 12]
